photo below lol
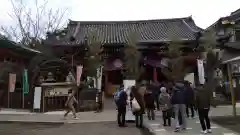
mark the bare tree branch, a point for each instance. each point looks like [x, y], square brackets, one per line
[33, 22]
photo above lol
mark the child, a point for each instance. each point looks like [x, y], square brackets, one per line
[165, 101]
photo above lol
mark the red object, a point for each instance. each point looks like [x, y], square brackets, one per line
[12, 82]
[79, 74]
[155, 79]
[190, 60]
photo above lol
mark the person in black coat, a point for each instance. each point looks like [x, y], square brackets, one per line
[155, 88]
[203, 102]
[149, 104]
[189, 100]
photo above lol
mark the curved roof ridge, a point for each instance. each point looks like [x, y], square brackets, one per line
[192, 29]
[116, 32]
[72, 22]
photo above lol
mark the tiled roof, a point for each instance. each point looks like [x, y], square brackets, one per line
[117, 32]
[234, 16]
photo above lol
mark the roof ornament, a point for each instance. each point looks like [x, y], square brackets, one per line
[73, 37]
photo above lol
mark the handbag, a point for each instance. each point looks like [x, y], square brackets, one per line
[135, 105]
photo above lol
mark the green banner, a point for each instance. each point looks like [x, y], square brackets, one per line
[25, 82]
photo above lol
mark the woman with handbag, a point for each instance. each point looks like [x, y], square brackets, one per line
[138, 104]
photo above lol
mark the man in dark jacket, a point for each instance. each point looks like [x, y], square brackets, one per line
[155, 92]
[203, 101]
[178, 102]
[189, 99]
[121, 106]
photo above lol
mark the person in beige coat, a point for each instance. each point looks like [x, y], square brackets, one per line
[70, 105]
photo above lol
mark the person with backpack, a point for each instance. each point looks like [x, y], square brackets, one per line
[120, 98]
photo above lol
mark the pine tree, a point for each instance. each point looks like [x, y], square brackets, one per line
[94, 61]
[132, 57]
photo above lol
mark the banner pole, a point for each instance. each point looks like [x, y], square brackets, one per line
[23, 87]
[8, 98]
[23, 99]
[9, 82]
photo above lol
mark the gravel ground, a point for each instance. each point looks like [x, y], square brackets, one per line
[100, 128]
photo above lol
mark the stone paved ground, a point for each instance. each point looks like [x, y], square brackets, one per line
[193, 128]
[108, 115]
[194, 125]
[99, 128]
[229, 122]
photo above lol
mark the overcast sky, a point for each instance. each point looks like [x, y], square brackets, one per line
[204, 12]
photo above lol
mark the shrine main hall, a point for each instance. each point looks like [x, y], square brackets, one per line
[151, 36]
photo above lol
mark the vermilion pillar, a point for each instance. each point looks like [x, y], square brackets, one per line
[155, 79]
[106, 82]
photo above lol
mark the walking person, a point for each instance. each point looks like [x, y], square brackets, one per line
[156, 89]
[70, 104]
[165, 101]
[149, 102]
[203, 100]
[178, 102]
[120, 98]
[189, 100]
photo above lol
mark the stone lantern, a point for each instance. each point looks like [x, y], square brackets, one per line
[50, 77]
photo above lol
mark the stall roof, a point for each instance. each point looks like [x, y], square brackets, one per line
[6, 43]
[231, 60]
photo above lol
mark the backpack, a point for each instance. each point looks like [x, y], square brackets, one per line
[117, 95]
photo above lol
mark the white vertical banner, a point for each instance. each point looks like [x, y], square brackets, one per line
[99, 78]
[12, 82]
[201, 74]
[37, 97]
[79, 74]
